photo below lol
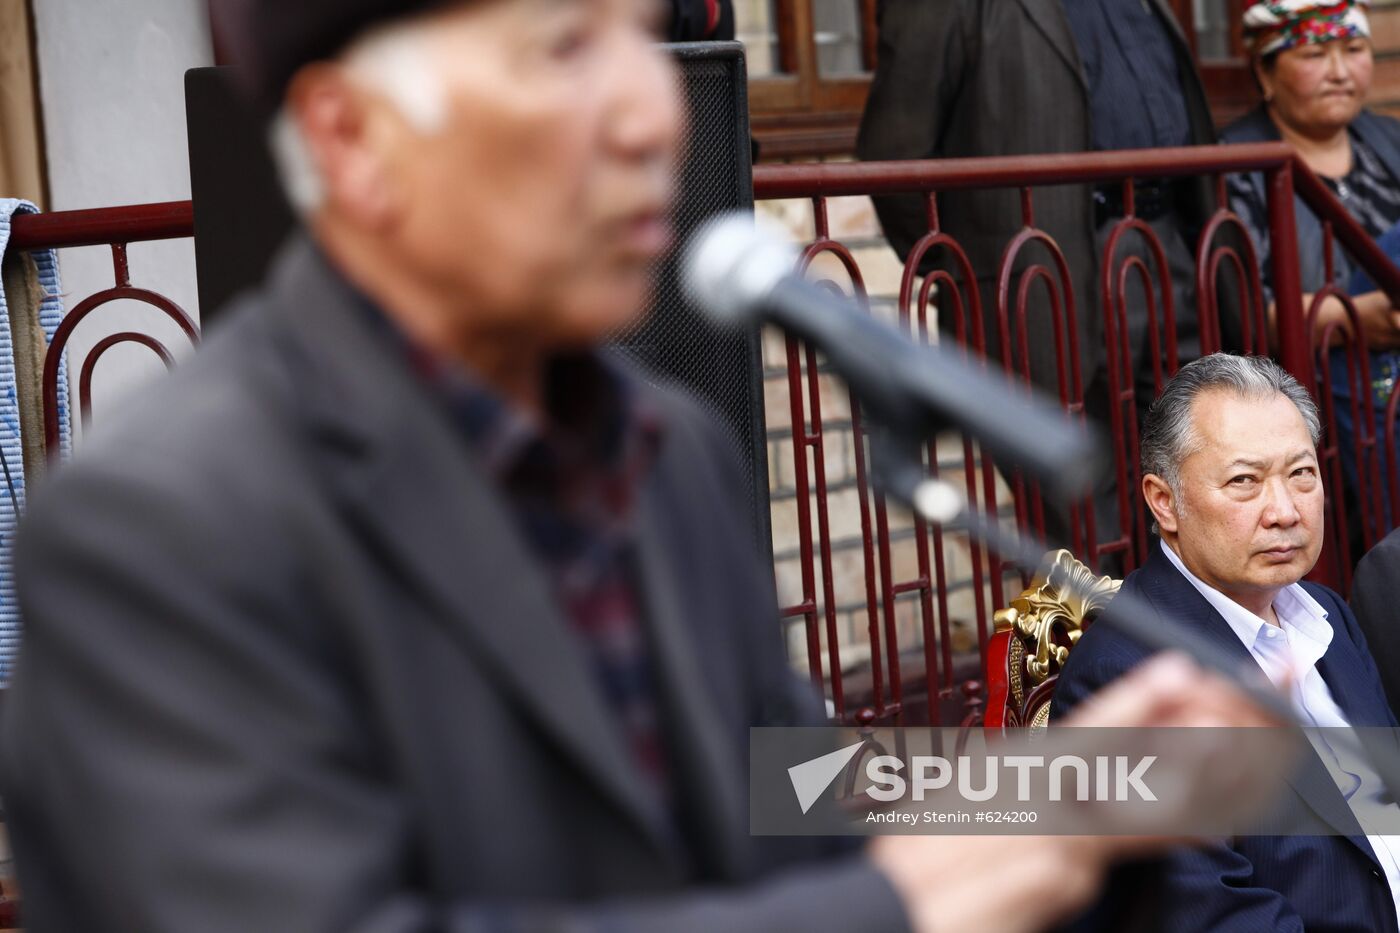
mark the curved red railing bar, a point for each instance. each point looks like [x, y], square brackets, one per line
[1209, 259]
[1015, 324]
[1338, 549]
[882, 629]
[968, 328]
[814, 439]
[53, 358]
[931, 244]
[1122, 396]
[1361, 408]
[1119, 368]
[101, 347]
[114, 227]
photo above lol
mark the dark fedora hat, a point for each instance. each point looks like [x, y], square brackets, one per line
[267, 41]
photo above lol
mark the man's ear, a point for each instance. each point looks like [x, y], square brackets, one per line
[1161, 501]
[338, 121]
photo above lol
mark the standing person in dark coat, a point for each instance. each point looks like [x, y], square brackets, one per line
[973, 78]
[401, 608]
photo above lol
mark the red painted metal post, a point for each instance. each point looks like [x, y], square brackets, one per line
[1290, 323]
[1288, 286]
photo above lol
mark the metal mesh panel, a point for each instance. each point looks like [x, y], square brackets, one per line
[720, 368]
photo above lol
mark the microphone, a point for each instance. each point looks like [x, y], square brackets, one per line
[743, 276]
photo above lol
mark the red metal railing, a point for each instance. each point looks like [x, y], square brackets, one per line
[115, 227]
[103, 226]
[946, 688]
[946, 685]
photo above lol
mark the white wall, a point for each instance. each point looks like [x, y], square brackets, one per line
[111, 82]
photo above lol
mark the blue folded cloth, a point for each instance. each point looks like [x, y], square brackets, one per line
[50, 315]
[1389, 242]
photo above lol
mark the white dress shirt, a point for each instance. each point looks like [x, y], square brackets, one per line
[1293, 648]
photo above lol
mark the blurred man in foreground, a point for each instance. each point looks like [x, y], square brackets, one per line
[400, 608]
[1229, 457]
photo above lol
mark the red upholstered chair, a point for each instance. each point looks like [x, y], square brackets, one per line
[1034, 636]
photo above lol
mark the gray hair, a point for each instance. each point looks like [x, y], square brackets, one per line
[390, 60]
[1167, 434]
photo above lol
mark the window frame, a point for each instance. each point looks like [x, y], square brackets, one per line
[797, 112]
[1229, 85]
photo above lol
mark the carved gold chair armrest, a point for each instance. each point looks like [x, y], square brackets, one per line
[1033, 639]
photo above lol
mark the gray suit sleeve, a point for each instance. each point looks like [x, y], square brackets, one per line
[182, 751]
[924, 54]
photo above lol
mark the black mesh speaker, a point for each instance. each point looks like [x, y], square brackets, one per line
[241, 216]
[723, 369]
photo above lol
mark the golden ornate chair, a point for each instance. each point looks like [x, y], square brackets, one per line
[1034, 636]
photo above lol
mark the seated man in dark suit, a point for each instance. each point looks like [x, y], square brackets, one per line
[1375, 598]
[402, 607]
[1231, 477]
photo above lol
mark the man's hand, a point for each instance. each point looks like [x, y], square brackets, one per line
[1018, 884]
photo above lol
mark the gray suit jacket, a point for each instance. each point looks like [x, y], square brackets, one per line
[966, 78]
[288, 666]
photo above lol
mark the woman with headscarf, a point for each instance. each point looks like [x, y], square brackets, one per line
[1313, 63]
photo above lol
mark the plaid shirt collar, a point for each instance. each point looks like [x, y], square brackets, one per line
[594, 422]
[597, 431]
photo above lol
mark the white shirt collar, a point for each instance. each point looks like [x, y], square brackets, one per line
[1301, 618]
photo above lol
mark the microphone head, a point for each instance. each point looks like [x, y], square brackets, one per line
[732, 264]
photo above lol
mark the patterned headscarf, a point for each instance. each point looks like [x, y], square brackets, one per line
[1274, 25]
